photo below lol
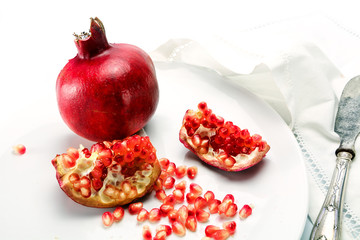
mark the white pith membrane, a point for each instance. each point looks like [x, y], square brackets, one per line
[140, 180]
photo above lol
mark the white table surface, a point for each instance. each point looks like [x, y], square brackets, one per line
[36, 36]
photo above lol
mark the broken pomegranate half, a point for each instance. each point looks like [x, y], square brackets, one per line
[110, 173]
[219, 143]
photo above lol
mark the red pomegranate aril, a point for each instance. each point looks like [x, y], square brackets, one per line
[191, 172]
[73, 153]
[229, 197]
[158, 185]
[202, 216]
[160, 235]
[146, 233]
[169, 199]
[191, 223]
[210, 230]
[196, 189]
[221, 234]
[19, 149]
[160, 194]
[171, 169]
[214, 206]
[182, 213]
[190, 197]
[118, 214]
[74, 177]
[96, 173]
[200, 202]
[97, 184]
[173, 215]
[169, 182]
[134, 208]
[245, 211]
[154, 215]
[230, 226]
[85, 192]
[164, 163]
[181, 186]
[164, 227]
[68, 161]
[178, 195]
[191, 210]
[178, 228]
[165, 209]
[231, 210]
[142, 215]
[209, 196]
[180, 171]
[107, 219]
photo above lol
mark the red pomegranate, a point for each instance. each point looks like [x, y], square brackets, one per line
[219, 143]
[108, 91]
[110, 173]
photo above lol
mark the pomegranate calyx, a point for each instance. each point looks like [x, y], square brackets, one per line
[92, 43]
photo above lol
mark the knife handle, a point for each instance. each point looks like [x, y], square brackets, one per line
[328, 223]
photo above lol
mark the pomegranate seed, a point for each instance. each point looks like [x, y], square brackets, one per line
[165, 228]
[196, 140]
[229, 197]
[214, 206]
[221, 234]
[68, 161]
[76, 185]
[210, 230]
[229, 162]
[170, 199]
[209, 196]
[191, 172]
[178, 228]
[142, 215]
[154, 215]
[182, 213]
[171, 168]
[231, 210]
[200, 202]
[126, 187]
[158, 184]
[202, 216]
[96, 184]
[118, 214]
[74, 177]
[196, 189]
[223, 207]
[169, 182]
[106, 161]
[163, 175]
[146, 233]
[107, 219]
[160, 235]
[181, 186]
[180, 171]
[160, 194]
[202, 106]
[73, 153]
[191, 223]
[19, 149]
[245, 211]
[135, 208]
[164, 163]
[178, 195]
[173, 216]
[244, 134]
[230, 226]
[85, 192]
[190, 197]
[165, 209]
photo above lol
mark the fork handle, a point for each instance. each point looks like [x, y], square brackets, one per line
[328, 223]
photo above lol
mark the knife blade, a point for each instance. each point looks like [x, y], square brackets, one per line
[347, 126]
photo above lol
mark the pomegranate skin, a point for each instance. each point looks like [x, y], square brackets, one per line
[108, 91]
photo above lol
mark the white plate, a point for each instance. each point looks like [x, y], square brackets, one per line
[34, 207]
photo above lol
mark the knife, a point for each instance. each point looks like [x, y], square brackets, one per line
[347, 125]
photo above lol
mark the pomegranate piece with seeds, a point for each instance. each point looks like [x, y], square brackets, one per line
[110, 173]
[219, 143]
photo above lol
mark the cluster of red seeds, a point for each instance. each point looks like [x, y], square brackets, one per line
[198, 209]
[227, 136]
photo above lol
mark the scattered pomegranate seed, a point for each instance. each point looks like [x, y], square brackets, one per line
[181, 186]
[200, 202]
[171, 169]
[178, 228]
[191, 223]
[180, 171]
[142, 215]
[160, 194]
[190, 197]
[160, 235]
[169, 199]
[230, 226]
[202, 216]
[178, 195]
[164, 163]
[210, 230]
[107, 219]
[221, 234]
[146, 233]
[182, 213]
[209, 196]
[118, 214]
[214, 206]
[135, 208]
[19, 149]
[191, 210]
[154, 215]
[196, 189]
[191, 172]
[165, 209]
[231, 210]
[173, 216]
[245, 211]
[165, 228]
[169, 182]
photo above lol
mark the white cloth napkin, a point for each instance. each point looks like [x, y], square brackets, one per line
[293, 65]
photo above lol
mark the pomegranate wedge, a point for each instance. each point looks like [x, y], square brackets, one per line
[110, 173]
[219, 143]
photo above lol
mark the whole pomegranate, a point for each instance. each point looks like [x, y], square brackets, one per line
[219, 143]
[108, 91]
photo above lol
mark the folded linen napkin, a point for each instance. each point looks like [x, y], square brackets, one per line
[285, 64]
